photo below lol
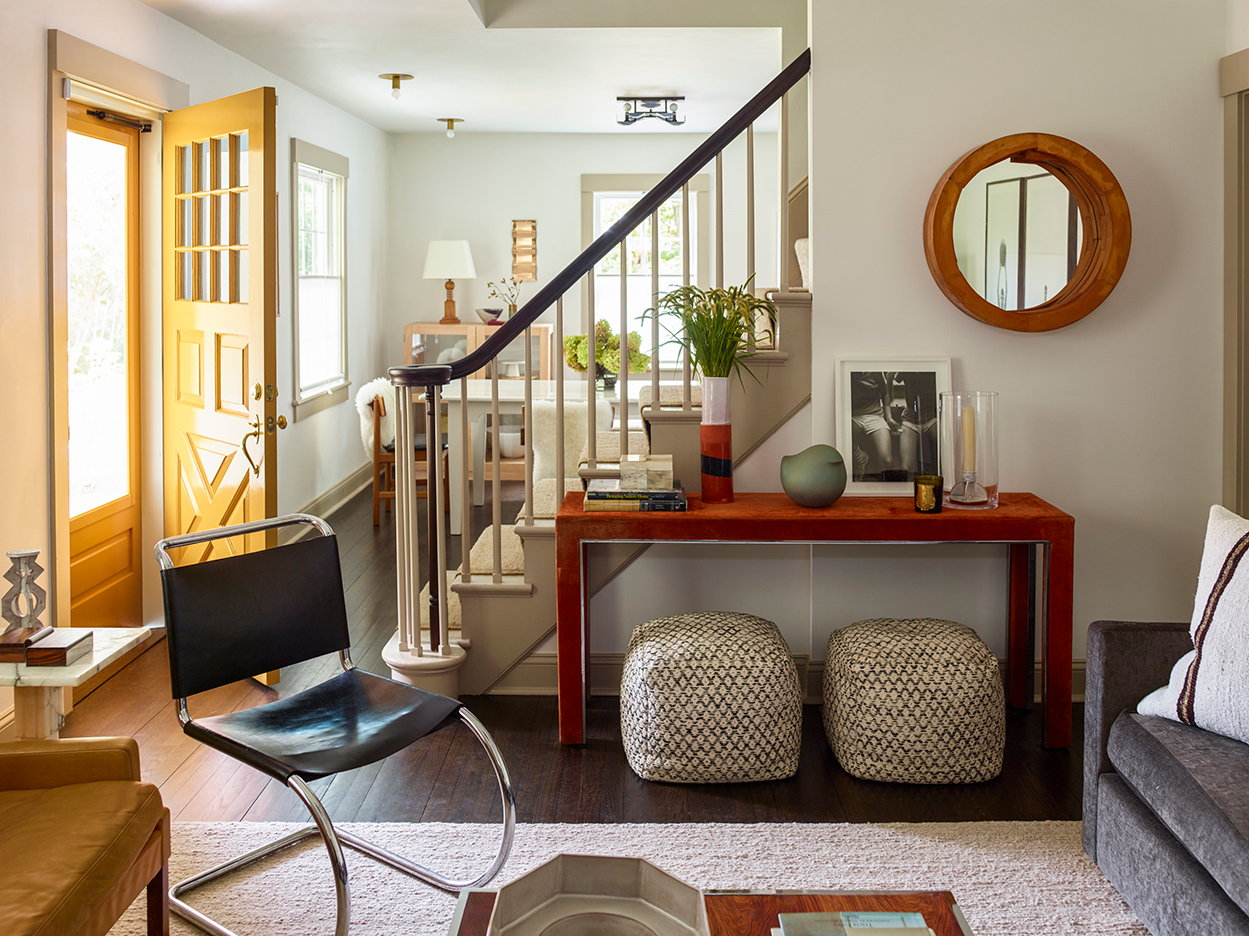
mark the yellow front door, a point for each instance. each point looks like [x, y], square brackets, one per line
[102, 264]
[220, 310]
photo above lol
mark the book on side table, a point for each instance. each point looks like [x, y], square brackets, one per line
[16, 640]
[611, 494]
[65, 645]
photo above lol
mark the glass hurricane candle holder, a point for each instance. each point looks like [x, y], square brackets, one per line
[969, 449]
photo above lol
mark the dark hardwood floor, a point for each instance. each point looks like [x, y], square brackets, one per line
[445, 777]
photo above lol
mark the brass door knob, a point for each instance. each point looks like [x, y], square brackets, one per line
[257, 391]
[281, 422]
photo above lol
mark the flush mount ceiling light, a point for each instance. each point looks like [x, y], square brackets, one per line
[664, 108]
[394, 78]
[451, 122]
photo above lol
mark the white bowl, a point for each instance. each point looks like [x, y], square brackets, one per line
[489, 315]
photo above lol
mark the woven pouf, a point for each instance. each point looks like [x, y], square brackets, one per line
[711, 697]
[914, 701]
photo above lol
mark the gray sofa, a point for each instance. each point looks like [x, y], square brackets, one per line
[1166, 805]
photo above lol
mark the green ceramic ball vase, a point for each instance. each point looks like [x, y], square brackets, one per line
[815, 477]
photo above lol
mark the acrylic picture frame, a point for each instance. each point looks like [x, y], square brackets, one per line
[895, 397]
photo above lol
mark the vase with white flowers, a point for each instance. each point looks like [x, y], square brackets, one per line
[722, 328]
[506, 290]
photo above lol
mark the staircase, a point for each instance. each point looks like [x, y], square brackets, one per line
[505, 613]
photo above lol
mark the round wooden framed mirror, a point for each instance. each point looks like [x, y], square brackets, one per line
[1029, 232]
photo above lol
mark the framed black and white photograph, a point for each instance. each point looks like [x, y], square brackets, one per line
[886, 412]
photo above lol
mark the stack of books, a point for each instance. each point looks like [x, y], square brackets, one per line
[45, 646]
[609, 494]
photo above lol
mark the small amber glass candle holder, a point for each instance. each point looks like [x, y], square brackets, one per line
[928, 494]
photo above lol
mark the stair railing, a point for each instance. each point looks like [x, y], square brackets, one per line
[411, 380]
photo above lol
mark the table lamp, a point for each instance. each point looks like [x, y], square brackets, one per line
[450, 260]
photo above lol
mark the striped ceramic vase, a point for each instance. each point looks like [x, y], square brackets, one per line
[716, 442]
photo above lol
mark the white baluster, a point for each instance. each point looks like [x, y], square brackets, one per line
[782, 265]
[496, 496]
[750, 204]
[655, 312]
[622, 381]
[687, 375]
[559, 404]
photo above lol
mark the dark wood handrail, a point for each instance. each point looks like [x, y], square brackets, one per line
[567, 278]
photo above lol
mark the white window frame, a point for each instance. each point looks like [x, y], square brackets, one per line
[598, 184]
[310, 400]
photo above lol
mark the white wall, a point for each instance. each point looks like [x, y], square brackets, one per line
[474, 186]
[313, 454]
[1237, 26]
[1116, 419]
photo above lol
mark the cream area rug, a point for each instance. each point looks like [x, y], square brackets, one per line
[1010, 878]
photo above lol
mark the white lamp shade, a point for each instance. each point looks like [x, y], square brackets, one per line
[449, 259]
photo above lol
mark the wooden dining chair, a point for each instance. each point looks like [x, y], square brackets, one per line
[384, 465]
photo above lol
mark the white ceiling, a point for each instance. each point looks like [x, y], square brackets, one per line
[501, 80]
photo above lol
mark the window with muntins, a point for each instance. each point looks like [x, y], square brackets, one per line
[320, 298]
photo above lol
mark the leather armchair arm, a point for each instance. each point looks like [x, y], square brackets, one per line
[40, 765]
[1126, 661]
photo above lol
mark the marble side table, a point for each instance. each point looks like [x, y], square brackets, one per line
[39, 701]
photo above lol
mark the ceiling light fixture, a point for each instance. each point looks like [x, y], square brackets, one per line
[451, 122]
[394, 78]
[664, 108]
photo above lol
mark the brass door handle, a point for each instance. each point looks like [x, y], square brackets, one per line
[254, 434]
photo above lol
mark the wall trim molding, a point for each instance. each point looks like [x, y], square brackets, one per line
[325, 504]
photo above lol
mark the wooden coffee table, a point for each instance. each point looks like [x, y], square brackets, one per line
[755, 913]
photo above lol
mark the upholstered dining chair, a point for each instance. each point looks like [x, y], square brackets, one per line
[231, 617]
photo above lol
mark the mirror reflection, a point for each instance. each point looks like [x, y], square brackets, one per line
[1017, 235]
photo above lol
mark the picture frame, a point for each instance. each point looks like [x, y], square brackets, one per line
[886, 421]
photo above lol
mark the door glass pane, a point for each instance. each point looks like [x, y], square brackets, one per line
[223, 162]
[223, 276]
[223, 219]
[241, 278]
[204, 268]
[242, 158]
[203, 223]
[186, 237]
[187, 179]
[99, 434]
[205, 166]
[241, 218]
[185, 274]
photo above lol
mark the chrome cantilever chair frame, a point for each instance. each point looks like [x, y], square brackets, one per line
[323, 826]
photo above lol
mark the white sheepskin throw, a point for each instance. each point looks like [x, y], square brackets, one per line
[1209, 686]
[575, 434]
[364, 400]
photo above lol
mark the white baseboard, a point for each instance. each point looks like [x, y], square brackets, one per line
[537, 674]
[330, 501]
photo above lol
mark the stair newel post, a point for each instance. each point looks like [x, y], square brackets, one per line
[496, 496]
[782, 263]
[687, 375]
[466, 496]
[559, 407]
[655, 312]
[527, 427]
[591, 398]
[622, 382]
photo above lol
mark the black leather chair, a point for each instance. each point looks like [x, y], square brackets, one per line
[230, 618]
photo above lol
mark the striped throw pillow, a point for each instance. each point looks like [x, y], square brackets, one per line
[1209, 686]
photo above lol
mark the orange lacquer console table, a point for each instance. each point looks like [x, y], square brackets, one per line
[1022, 521]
